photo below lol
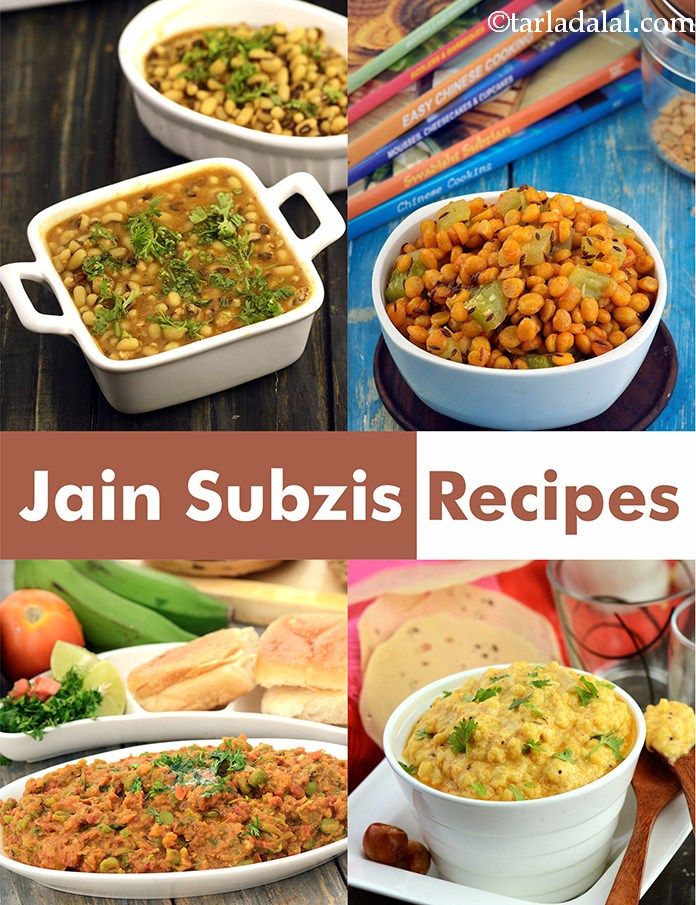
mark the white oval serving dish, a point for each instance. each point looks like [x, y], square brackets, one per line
[175, 885]
[199, 368]
[543, 850]
[140, 725]
[540, 399]
[194, 134]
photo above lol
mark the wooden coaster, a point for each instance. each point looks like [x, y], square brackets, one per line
[640, 404]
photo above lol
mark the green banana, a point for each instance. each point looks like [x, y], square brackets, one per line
[108, 620]
[165, 594]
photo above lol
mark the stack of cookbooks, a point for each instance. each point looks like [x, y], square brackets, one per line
[438, 96]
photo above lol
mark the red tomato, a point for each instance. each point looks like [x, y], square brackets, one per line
[31, 621]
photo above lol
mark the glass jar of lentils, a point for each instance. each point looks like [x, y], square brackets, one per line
[669, 78]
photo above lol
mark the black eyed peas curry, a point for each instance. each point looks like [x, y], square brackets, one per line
[272, 79]
[186, 260]
[190, 809]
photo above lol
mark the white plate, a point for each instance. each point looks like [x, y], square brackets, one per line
[176, 885]
[378, 799]
[139, 725]
[7, 5]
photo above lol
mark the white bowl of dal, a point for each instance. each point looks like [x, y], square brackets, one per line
[543, 850]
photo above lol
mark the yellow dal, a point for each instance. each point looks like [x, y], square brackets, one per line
[499, 764]
[670, 729]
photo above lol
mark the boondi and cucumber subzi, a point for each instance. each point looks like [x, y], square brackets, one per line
[528, 281]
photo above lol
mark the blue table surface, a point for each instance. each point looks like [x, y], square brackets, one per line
[612, 161]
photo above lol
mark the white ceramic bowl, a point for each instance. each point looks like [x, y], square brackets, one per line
[212, 364]
[543, 850]
[195, 135]
[515, 400]
[187, 883]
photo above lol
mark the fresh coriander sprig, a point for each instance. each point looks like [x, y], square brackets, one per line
[566, 754]
[219, 221]
[609, 740]
[586, 691]
[483, 694]
[148, 238]
[461, 734]
[190, 325]
[111, 317]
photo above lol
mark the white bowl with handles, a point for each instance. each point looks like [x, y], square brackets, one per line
[194, 134]
[211, 364]
[540, 399]
[542, 850]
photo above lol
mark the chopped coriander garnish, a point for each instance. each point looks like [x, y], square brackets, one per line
[483, 694]
[111, 317]
[586, 691]
[221, 282]
[534, 710]
[178, 276]
[228, 760]
[136, 785]
[478, 788]
[535, 673]
[306, 108]
[150, 240]
[531, 745]
[517, 794]
[611, 741]
[236, 86]
[260, 301]
[219, 784]
[566, 754]
[253, 828]
[218, 221]
[540, 683]
[190, 325]
[420, 734]
[461, 734]
[409, 768]
[98, 232]
[446, 694]
[222, 44]
[311, 50]
[518, 701]
[332, 94]
[493, 679]
[94, 266]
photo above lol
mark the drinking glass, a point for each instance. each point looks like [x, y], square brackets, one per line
[613, 631]
[681, 653]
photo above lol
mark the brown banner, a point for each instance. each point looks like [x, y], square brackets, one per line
[208, 496]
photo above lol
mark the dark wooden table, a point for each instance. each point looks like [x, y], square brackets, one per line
[69, 125]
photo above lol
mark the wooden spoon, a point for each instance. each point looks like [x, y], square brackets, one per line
[685, 768]
[655, 786]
